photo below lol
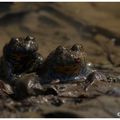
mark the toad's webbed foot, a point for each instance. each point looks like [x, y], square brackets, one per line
[92, 77]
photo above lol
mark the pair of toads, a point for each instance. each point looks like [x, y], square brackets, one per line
[62, 65]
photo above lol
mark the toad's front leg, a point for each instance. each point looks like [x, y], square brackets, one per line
[93, 77]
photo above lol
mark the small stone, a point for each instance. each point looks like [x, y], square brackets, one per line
[5, 89]
[57, 102]
[27, 85]
[114, 92]
[50, 90]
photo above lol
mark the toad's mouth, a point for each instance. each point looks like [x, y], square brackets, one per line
[20, 57]
[68, 69]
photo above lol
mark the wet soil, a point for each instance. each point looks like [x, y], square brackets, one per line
[96, 26]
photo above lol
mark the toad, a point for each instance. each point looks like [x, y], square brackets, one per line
[19, 56]
[65, 65]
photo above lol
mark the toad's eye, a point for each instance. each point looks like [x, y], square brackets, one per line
[60, 49]
[77, 47]
[29, 38]
[14, 40]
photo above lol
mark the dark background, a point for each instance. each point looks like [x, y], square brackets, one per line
[60, 23]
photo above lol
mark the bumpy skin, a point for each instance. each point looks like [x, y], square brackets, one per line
[65, 65]
[19, 56]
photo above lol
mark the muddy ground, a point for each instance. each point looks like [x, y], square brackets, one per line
[96, 26]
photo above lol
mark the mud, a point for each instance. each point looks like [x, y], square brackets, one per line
[96, 26]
